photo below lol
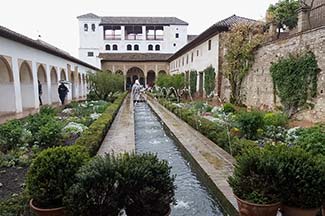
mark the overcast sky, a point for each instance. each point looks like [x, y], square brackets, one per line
[57, 24]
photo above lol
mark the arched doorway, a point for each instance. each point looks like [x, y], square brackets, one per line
[41, 76]
[151, 78]
[162, 72]
[26, 86]
[7, 90]
[119, 72]
[132, 75]
[54, 86]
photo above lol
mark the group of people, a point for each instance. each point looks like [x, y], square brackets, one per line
[62, 90]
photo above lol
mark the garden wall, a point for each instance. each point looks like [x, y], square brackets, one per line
[258, 86]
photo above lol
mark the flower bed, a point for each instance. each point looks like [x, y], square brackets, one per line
[85, 123]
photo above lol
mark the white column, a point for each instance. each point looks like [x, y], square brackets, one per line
[113, 68]
[123, 32]
[144, 33]
[124, 74]
[198, 81]
[17, 88]
[35, 85]
[49, 82]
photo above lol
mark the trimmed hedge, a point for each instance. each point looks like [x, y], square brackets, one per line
[94, 135]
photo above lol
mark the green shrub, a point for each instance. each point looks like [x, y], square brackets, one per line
[48, 110]
[12, 135]
[52, 173]
[255, 177]
[276, 119]
[97, 189]
[35, 122]
[301, 178]
[229, 108]
[15, 205]
[249, 123]
[49, 134]
[240, 146]
[313, 139]
[147, 184]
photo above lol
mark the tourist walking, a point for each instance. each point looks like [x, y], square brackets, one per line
[40, 92]
[63, 91]
[136, 91]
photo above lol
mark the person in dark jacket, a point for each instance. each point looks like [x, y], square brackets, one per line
[63, 91]
[40, 92]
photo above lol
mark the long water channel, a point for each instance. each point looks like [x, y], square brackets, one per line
[193, 197]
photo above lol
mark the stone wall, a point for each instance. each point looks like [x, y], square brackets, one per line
[258, 86]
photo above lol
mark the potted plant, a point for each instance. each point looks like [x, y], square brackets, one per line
[148, 187]
[301, 180]
[254, 183]
[49, 177]
[96, 190]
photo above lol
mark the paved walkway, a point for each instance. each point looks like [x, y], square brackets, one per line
[120, 137]
[215, 162]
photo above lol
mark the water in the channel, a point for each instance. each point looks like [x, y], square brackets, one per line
[193, 197]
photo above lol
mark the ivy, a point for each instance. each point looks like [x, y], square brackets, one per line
[295, 79]
[209, 80]
[193, 81]
[240, 42]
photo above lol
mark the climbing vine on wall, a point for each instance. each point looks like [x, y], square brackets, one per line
[295, 79]
[240, 42]
[209, 80]
[193, 81]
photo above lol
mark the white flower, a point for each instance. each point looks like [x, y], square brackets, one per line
[95, 116]
[67, 111]
[74, 127]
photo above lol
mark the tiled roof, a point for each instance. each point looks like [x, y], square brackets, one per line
[125, 20]
[218, 27]
[88, 16]
[40, 45]
[190, 38]
[143, 21]
[134, 57]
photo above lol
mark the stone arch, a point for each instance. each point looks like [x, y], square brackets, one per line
[119, 72]
[42, 78]
[133, 74]
[162, 72]
[72, 80]
[80, 85]
[151, 78]
[7, 90]
[54, 85]
[26, 86]
[63, 75]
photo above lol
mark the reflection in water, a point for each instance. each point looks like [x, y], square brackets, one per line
[193, 198]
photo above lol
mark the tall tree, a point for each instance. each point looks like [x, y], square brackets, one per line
[284, 14]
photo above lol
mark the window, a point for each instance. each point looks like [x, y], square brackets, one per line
[197, 52]
[129, 47]
[93, 27]
[90, 54]
[192, 57]
[183, 61]
[114, 47]
[150, 47]
[174, 44]
[177, 35]
[108, 47]
[133, 32]
[136, 47]
[154, 32]
[157, 47]
[209, 45]
[112, 33]
[85, 27]
[187, 59]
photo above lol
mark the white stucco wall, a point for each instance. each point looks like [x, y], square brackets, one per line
[200, 62]
[7, 97]
[94, 41]
[26, 95]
